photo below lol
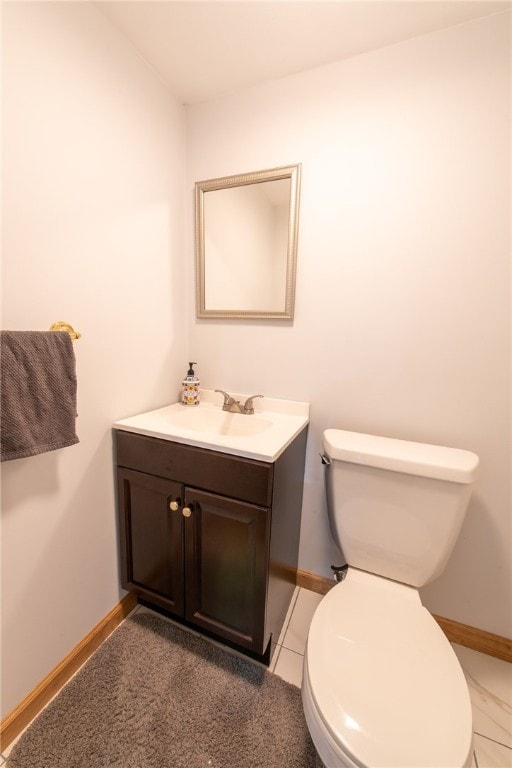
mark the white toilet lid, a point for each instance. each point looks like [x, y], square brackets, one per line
[384, 679]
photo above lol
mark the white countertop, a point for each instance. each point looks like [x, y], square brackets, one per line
[262, 436]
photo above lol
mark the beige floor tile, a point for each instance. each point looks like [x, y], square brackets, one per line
[489, 754]
[289, 666]
[490, 687]
[288, 616]
[298, 628]
[274, 653]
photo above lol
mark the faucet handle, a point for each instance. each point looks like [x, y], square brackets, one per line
[227, 397]
[229, 402]
[249, 406]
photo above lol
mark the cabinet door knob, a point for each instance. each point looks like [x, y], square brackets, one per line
[174, 505]
[186, 511]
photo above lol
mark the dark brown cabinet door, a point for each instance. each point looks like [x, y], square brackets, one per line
[226, 567]
[151, 528]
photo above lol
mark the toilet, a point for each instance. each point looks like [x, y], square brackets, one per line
[382, 686]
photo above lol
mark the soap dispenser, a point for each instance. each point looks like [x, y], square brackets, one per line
[190, 387]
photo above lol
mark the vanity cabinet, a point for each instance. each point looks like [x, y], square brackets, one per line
[210, 537]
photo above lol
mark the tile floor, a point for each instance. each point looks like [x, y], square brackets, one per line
[489, 681]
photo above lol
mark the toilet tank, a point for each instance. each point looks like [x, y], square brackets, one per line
[396, 507]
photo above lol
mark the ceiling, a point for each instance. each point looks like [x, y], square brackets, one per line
[203, 49]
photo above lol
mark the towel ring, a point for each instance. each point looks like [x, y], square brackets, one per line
[61, 326]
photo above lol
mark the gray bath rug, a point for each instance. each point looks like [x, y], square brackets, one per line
[156, 696]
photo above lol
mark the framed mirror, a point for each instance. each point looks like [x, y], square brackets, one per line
[246, 244]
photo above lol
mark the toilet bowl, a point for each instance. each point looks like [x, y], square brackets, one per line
[382, 686]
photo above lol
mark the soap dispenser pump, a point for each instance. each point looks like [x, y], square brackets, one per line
[190, 387]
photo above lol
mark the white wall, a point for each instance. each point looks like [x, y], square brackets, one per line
[402, 323]
[92, 234]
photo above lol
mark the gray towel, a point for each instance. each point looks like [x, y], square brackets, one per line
[38, 395]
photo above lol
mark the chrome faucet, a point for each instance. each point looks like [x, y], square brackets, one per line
[233, 406]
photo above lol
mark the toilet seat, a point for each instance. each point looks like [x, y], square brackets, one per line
[382, 686]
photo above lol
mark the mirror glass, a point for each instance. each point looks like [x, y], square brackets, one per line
[246, 244]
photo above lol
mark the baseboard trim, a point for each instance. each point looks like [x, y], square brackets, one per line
[314, 582]
[471, 637]
[477, 639]
[14, 723]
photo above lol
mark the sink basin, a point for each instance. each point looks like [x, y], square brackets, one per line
[218, 422]
[263, 435]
